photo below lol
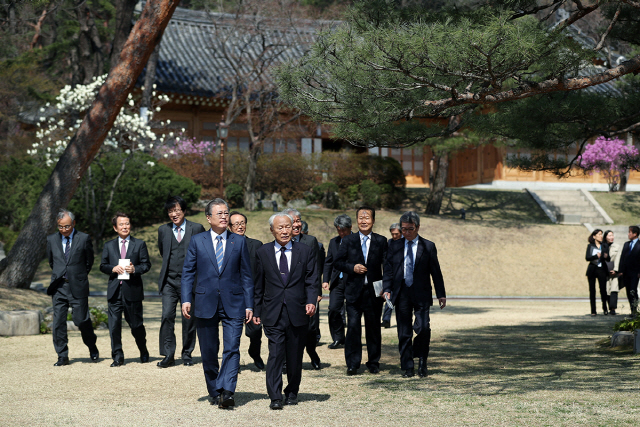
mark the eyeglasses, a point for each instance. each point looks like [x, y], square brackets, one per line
[404, 229]
[220, 214]
[175, 211]
[65, 227]
[239, 224]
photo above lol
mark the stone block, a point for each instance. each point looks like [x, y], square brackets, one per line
[636, 342]
[19, 322]
[71, 326]
[569, 218]
[622, 338]
[297, 204]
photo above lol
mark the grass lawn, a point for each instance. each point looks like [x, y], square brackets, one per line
[623, 208]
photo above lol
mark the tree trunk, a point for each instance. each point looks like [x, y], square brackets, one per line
[149, 78]
[29, 248]
[124, 18]
[250, 184]
[436, 192]
[12, 17]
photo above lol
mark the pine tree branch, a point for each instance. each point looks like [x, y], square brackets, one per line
[609, 28]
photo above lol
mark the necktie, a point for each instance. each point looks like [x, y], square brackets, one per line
[219, 252]
[284, 268]
[364, 247]
[123, 250]
[341, 275]
[67, 249]
[179, 238]
[408, 269]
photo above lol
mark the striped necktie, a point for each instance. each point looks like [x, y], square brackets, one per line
[219, 253]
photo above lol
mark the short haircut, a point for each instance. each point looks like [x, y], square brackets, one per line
[411, 218]
[175, 200]
[114, 219]
[366, 208]
[62, 212]
[634, 229]
[395, 226]
[276, 215]
[342, 221]
[305, 227]
[238, 213]
[593, 233]
[215, 202]
[292, 212]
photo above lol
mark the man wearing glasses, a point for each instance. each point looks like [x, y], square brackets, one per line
[410, 265]
[70, 255]
[223, 293]
[173, 241]
[251, 330]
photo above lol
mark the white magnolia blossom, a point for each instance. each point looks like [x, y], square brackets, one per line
[150, 163]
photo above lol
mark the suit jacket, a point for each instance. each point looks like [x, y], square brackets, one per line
[165, 234]
[426, 267]
[137, 252]
[630, 262]
[312, 242]
[77, 268]
[232, 283]
[330, 273]
[300, 289]
[350, 254]
[253, 245]
[594, 260]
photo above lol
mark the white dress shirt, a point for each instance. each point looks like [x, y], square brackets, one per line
[214, 236]
[287, 253]
[367, 246]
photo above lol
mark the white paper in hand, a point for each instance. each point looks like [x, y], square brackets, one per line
[377, 288]
[124, 263]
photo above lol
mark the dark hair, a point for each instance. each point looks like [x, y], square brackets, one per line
[215, 202]
[593, 233]
[410, 218]
[604, 236]
[366, 208]
[305, 228]
[232, 213]
[634, 229]
[117, 215]
[342, 221]
[175, 200]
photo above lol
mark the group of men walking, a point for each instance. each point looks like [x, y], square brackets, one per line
[224, 277]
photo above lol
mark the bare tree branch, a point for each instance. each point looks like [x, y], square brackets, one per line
[609, 28]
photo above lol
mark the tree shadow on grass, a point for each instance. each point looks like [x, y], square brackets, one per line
[563, 354]
[629, 203]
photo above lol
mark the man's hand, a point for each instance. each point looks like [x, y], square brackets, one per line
[319, 298]
[359, 268]
[248, 315]
[118, 269]
[311, 309]
[386, 295]
[325, 286]
[186, 309]
[442, 302]
[130, 268]
[256, 320]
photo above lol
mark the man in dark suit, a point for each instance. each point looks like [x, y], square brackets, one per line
[411, 264]
[125, 295]
[312, 242]
[223, 293]
[70, 255]
[360, 258]
[238, 226]
[173, 241]
[314, 325]
[630, 267]
[396, 234]
[285, 298]
[334, 283]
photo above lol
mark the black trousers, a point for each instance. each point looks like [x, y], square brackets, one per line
[311, 340]
[285, 341]
[132, 310]
[61, 301]
[171, 297]
[599, 275]
[254, 333]
[631, 284]
[406, 307]
[371, 307]
[336, 312]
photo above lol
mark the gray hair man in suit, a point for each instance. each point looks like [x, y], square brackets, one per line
[125, 295]
[70, 255]
[173, 241]
[410, 265]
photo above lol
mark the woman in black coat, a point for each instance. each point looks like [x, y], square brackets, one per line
[597, 270]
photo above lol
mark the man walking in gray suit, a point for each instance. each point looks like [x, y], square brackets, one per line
[173, 241]
[70, 255]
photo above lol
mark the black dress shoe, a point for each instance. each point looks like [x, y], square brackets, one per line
[166, 362]
[144, 358]
[374, 370]
[276, 404]
[386, 324]
[259, 362]
[352, 371]
[422, 368]
[62, 361]
[612, 312]
[291, 399]
[94, 354]
[226, 400]
[408, 373]
[215, 400]
[186, 362]
[117, 362]
[316, 364]
[335, 344]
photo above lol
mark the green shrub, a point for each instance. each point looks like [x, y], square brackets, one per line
[44, 328]
[627, 324]
[327, 194]
[99, 316]
[234, 195]
[370, 192]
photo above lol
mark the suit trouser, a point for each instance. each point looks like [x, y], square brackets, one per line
[336, 309]
[223, 376]
[600, 275]
[171, 297]
[311, 340]
[133, 315]
[631, 283]
[386, 315]
[406, 306]
[371, 306]
[254, 333]
[62, 300]
[285, 340]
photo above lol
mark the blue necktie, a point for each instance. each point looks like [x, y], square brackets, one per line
[364, 247]
[408, 269]
[219, 253]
